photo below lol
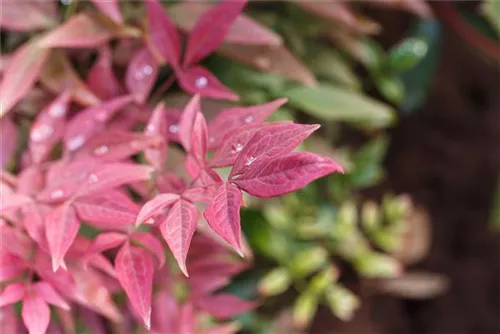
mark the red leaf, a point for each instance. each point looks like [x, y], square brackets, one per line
[224, 305]
[162, 32]
[8, 140]
[104, 214]
[79, 31]
[49, 295]
[154, 207]
[141, 75]
[199, 140]
[157, 126]
[48, 128]
[12, 293]
[230, 119]
[105, 241]
[28, 15]
[210, 30]
[12, 201]
[202, 194]
[90, 120]
[23, 70]
[178, 228]
[271, 141]
[110, 8]
[198, 80]
[269, 177]
[223, 214]
[35, 314]
[61, 228]
[148, 241]
[101, 79]
[186, 122]
[134, 269]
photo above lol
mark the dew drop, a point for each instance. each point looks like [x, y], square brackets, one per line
[101, 116]
[249, 119]
[41, 132]
[75, 143]
[147, 70]
[420, 48]
[103, 149]
[250, 161]
[237, 148]
[93, 178]
[174, 128]
[151, 128]
[57, 111]
[57, 194]
[201, 82]
[211, 140]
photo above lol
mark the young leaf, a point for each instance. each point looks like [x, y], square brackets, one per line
[49, 295]
[230, 119]
[11, 266]
[154, 207]
[61, 228]
[149, 242]
[12, 201]
[269, 177]
[272, 141]
[224, 305]
[22, 72]
[134, 269]
[105, 241]
[12, 293]
[8, 140]
[198, 80]
[178, 228]
[104, 214]
[110, 8]
[186, 122]
[141, 75]
[223, 214]
[162, 32]
[210, 30]
[28, 15]
[157, 126]
[35, 314]
[199, 140]
[101, 79]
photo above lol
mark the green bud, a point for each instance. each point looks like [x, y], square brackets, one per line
[391, 87]
[396, 208]
[308, 261]
[276, 216]
[323, 279]
[388, 240]
[370, 216]
[341, 301]
[304, 309]
[378, 265]
[407, 54]
[348, 214]
[275, 282]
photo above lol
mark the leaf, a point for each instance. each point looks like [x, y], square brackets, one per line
[134, 269]
[223, 214]
[8, 140]
[58, 75]
[101, 79]
[48, 128]
[224, 305]
[22, 72]
[406, 54]
[28, 15]
[104, 242]
[79, 31]
[152, 244]
[199, 140]
[141, 75]
[178, 228]
[104, 214]
[277, 59]
[157, 126]
[244, 29]
[11, 266]
[334, 103]
[49, 295]
[110, 8]
[210, 30]
[35, 314]
[186, 122]
[230, 119]
[271, 141]
[269, 177]
[12, 201]
[198, 80]
[61, 228]
[154, 207]
[12, 293]
[162, 33]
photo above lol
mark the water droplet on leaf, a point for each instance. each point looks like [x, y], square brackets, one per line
[250, 161]
[174, 128]
[41, 132]
[57, 194]
[103, 149]
[201, 82]
[249, 119]
[75, 143]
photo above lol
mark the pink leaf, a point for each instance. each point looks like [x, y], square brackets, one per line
[10, 266]
[178, 228]
[104, 214]
[198, 80]
[186, 122]
[225, 305]
[202, 194]
[141, 75]
[61, 228]
[155, 206]
[14, 241]
[110, 8]
[28, 15]
[105, 241]
[149, 242]
[12, 293]
[134, 269]
[49, 295]
[23, 71]
[165, 312]
[230, 119]
[101, 79]
[9, 321]
[210, 30]
[269, 177]
[33, 222]
[199, 140]
[13, 201]
[223, 214]
[35, 314]
[48, 128]
[157, 126]
[8, 139]
[90, 120]
[162, 32]
[271, 141]
[79, 31]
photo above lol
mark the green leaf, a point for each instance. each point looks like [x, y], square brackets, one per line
[405, 55]
[329, 103]
[391, 87]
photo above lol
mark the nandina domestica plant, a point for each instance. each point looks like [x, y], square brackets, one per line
[91, 220]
